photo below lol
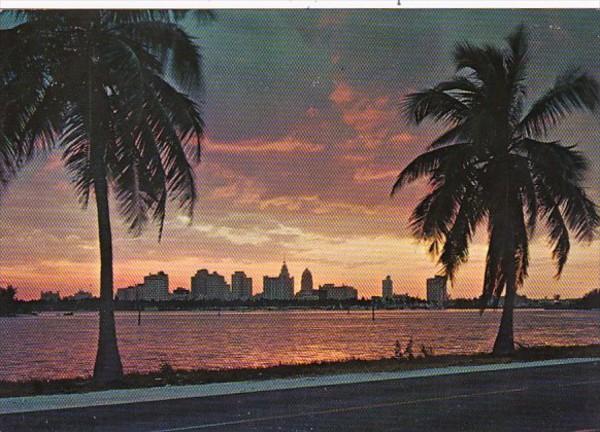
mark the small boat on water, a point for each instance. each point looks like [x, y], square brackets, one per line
[68, 314]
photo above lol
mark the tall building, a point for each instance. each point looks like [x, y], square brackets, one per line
[387, 288]
[241, 286]
[217, 288]
[280, 287]
[306, 283]
[156, 287]
[333, 292]
[209, 286]
[437, 292]
[199, 284]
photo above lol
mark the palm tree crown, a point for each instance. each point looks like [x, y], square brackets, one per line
[104, 86]
[493, 165]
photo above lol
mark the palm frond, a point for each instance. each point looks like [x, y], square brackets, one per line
[460, 132]
[573, 91]
[516, 69]
[176, 50]
[486, 63]
[124, 16]
[77, 155]
[179, 173]
[581, 213]
[558, 171]
[435, 104]
[563, 161]
[184, 113]
[426, 163]
[557, 231]
[456, 247]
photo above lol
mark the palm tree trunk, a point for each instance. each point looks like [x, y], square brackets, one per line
[504, 344]
[108, 367]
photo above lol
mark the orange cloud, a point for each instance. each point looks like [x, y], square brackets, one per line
[364, 175]
[369, 116]
[356, 158]
[316, 205]
[375, 119]
[284, 145]
[342, 93]
[361, 112]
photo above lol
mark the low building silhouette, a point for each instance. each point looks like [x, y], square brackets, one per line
[180, 294]
[50, 296]
[333, 292]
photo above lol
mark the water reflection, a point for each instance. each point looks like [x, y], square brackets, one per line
[53, 345]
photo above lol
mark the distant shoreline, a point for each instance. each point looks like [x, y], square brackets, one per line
[168, 376]
[589, 301]
[74, 311]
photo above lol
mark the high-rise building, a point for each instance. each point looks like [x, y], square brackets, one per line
[333, 292]
[280, 287]
[209, 286]
[306, 283]
[217, 288]
[387, 288]
[199, 284]
[437, 293]
[156, 287]
[241, 286]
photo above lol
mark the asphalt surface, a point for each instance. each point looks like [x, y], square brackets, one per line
[558, 398]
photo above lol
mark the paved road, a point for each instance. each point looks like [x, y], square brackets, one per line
[558, 398]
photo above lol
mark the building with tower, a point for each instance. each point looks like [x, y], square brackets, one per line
[279, 287]
[306, 283]
[387, 288]
[307, 292]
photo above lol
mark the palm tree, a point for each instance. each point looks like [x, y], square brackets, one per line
[494, 165]
[111, 90]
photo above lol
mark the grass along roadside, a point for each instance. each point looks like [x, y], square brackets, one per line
[169, 376]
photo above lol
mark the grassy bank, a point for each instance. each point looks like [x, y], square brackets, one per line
[169, 376]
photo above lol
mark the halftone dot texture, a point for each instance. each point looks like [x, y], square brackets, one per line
[304, 139]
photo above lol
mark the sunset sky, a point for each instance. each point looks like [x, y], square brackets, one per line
[304, 139]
